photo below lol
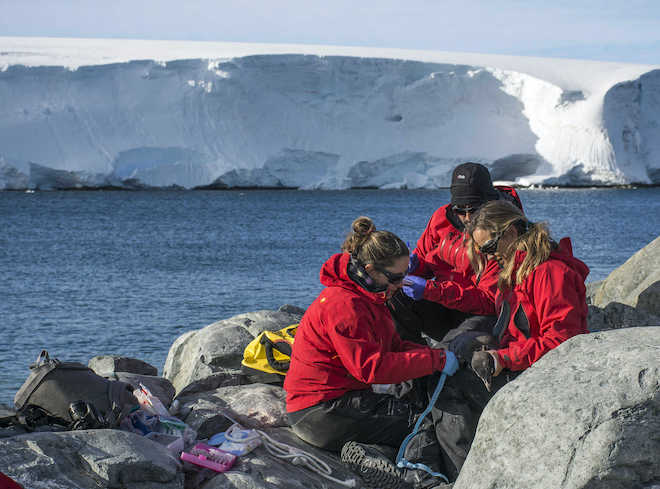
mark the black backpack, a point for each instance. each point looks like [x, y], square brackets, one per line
[72, 395]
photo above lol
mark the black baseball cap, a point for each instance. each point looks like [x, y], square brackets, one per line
[471, 185]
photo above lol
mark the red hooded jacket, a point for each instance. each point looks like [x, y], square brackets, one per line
[346, 341]
[443, 256]
[546, 309]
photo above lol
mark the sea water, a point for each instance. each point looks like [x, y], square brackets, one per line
[126, 273]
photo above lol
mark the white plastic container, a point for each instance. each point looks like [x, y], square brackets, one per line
[149, 402]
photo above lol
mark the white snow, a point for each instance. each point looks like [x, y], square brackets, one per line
[90, 112]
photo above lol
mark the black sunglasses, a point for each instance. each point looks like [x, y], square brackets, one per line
[461, 211]
[490, 246]
[393, 278]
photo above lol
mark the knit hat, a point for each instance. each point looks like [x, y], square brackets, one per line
[471, 185]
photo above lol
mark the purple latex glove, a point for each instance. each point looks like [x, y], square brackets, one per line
[414, 286]
[413, 264]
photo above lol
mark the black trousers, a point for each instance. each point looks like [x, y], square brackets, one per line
[361, 416]
[375, 419]
[456, 415]
[463, 398]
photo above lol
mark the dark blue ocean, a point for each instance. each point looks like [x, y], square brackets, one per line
[89, 273]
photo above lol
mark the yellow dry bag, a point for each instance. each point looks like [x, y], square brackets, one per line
[266, 358]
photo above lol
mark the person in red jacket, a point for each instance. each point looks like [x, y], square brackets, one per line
[347, 350]
[541, 301]
[541, 292]
[432, 301]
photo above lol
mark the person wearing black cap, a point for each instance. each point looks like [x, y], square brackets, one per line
[432, 300]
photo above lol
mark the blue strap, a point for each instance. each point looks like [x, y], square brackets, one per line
[402, 462]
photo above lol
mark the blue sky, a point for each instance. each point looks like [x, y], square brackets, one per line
[601, 30]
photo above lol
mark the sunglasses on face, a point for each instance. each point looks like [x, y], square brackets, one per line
[461, 211]
[393, 278]
[490, 246]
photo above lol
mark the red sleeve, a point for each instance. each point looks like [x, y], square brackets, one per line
[403, 345]
[428, 270]
[558, 299]
[368, 359]
[463, 296]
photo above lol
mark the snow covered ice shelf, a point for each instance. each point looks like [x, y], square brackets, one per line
[89, 113]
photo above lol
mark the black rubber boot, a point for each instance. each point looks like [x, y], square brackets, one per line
[373, 466]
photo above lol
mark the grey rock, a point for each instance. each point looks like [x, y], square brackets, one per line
[104, 364]
[85, 459]
[585, 415]
[253, 406]
[592, 290]
[212, 382]
[616, 315]
[640, 274]
[291, 309]
[649, 299]
[218, 348]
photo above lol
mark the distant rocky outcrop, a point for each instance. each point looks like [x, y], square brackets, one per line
[630, 295]
[587, 415]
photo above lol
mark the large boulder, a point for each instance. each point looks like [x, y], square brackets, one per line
[253, 406]
[85, 459]
[636, 283]
[105, 364]
[218, 348]
[586, 415]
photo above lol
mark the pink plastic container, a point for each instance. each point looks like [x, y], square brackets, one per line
[210, 457]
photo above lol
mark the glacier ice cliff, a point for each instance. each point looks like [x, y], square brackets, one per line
[312, 121]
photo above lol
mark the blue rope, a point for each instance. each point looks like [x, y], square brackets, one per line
[401, 462]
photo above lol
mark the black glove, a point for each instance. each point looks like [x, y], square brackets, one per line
[483, 365]
[465, 344]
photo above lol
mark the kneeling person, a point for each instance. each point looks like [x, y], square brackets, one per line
[346, 343]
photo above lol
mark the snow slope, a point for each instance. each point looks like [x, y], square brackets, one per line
[80, 113]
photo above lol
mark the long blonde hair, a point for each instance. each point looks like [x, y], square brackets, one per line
[533, 239]
[371, 246]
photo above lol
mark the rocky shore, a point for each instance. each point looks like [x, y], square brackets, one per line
[587, 415]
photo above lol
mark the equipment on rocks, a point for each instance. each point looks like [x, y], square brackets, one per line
[72, 395]
[302, 458]
[236, 440]
[266, 358]
[149, 402]
[297, 456]
[209, 457]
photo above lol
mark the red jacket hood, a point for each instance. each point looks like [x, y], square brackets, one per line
[334, 273]
[564, 253]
